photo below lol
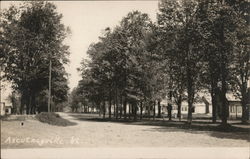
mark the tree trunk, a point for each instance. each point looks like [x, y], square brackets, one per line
[190, 85]
[121, 107]
[134, 106]
[179, 107]
[154, 109]
[224, 112]
[245, 112]
[125, 108]
[22, 102]
[214, 105]
[120, 111]
[28, 103]
[169, 111]
[104, 109]
[149, 106]
[159, 109]
[33, 103]
[99, 107]
[141, 109]
[245, 101]
[190, 99]
[117, 105]
[207, 108]
[110, 105]
[190, 105]
[129, 111]
[114, 111]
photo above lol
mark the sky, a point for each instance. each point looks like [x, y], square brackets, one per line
[87, 20]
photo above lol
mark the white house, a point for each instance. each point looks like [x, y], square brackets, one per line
[5, 104]
[204, 106]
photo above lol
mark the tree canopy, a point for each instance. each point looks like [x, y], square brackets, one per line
[193, 46]
[31, 36]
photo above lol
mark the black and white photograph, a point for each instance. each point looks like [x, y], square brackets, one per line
[125, 79]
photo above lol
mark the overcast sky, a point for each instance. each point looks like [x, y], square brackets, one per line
[87, 20]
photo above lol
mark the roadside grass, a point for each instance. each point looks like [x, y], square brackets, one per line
[14, 117]
[4, 117]
[53, 119]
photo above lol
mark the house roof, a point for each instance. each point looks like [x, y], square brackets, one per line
[206, 96]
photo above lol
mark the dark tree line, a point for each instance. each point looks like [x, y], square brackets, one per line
[193, 46]
[31, 36]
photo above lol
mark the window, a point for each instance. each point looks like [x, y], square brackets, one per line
[239, 109]
[232, 109]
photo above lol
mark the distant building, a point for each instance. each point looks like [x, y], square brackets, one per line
[204, 106]
[5, 104]
[235, 107]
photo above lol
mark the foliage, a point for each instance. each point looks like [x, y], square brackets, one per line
[194, 45]
[53, 119]
[32, 35]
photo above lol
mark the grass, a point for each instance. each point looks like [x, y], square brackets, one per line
[53, 119]
[4, 117]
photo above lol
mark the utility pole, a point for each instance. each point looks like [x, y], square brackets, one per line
[0, 91]
[49, 85]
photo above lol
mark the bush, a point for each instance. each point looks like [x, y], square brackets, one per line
[53, 119]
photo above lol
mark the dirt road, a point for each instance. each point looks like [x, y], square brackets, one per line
[94, 133]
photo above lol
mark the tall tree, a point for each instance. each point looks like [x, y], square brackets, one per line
[177, 20]
[241, 56]
[218, 23]
[32, 36]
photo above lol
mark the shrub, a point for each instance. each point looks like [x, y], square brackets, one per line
[53, 119]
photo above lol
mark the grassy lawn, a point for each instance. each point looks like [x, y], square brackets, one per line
[89, 130]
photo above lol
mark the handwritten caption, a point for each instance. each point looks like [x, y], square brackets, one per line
[53, 140]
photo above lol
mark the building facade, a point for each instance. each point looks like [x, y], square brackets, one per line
[5, 103]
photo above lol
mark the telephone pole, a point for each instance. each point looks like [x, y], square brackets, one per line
[49, 98]
[0, 91]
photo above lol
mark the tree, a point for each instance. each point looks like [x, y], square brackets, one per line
[154, 67]
[134, 28]
[241, 59]
[74, 100]
[121, 65]
[32, 36]
[218, 26]
[177, 21]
